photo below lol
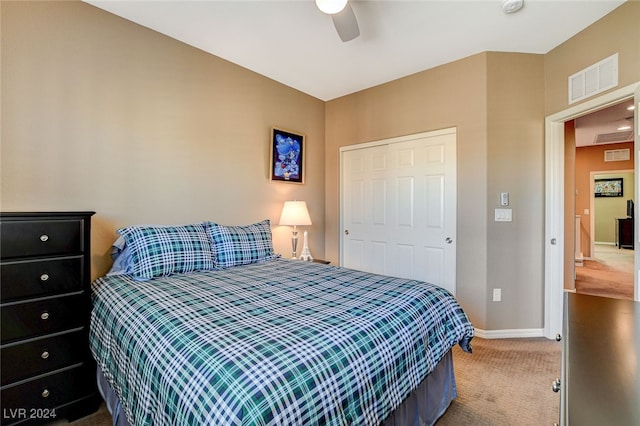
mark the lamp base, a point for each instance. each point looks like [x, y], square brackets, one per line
[294, 243]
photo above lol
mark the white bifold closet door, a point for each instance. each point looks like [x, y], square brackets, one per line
[398, 207]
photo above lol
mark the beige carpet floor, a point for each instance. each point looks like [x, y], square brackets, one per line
[503, 382]
[608, 274]
[506, 382]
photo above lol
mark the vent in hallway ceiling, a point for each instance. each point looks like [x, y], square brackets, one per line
[614, 137]
[594, 79]
[617, 155]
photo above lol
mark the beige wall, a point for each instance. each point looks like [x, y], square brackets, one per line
[498, 103]
[499, 134]
[618, 32]
[450, 96]
[515, 261]
[101, 114]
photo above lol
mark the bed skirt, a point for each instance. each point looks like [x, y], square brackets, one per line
[424, 406]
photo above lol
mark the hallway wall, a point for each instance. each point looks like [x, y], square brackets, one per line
[591, 159]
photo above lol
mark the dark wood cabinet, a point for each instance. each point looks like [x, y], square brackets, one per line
[624, 232]
[47, 371]
[600, 382]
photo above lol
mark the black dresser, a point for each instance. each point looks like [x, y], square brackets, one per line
[47, 372]
[624, 232]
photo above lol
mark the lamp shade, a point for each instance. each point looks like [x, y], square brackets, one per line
[331, 7]
[295, 213]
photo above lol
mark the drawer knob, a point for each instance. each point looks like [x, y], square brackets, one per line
[556, 385]
[45, 393]
[44, 315]
[44, 277]
[44, 238]
[44, 355]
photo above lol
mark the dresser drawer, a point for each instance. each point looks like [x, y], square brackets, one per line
[23, 279]
[47, 392]
[36, 357]
[31, 319]
[41, 238]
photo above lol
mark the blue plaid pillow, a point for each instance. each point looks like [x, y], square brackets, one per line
[164, 250]
[240, 245]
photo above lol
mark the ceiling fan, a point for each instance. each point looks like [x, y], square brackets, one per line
[343, 17]
[347, 25]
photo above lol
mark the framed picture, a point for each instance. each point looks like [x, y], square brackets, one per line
[608, 187]
[287, 156]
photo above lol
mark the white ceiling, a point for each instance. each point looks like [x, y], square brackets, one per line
[294, 43]
[605, 126]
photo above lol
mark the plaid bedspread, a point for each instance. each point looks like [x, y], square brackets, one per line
[273, 343]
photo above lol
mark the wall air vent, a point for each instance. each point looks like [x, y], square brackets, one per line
[614, 137]
[617, 155]
[594, 79]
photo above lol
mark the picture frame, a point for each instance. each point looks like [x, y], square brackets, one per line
[609, 187]
[287, 156]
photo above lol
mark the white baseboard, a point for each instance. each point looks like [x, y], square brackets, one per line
[509, 334]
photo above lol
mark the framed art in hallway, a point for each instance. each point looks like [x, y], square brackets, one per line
[610, 187]
[287, 156]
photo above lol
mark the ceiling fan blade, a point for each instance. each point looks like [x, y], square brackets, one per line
[346, 24]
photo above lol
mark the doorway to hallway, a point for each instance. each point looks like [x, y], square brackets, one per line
[555, 202]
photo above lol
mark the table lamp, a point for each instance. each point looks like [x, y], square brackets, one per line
[295, 213]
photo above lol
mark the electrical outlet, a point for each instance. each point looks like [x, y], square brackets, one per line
[497, 294]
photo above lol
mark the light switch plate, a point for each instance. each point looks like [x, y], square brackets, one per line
[503, 215]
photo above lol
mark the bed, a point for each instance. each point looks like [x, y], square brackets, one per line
[204, 324]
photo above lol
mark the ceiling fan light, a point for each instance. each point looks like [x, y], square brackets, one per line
[331, 7]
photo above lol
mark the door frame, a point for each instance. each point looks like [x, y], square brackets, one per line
[554, 202]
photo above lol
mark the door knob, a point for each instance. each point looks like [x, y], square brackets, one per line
[346, 232]
[448, 240]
